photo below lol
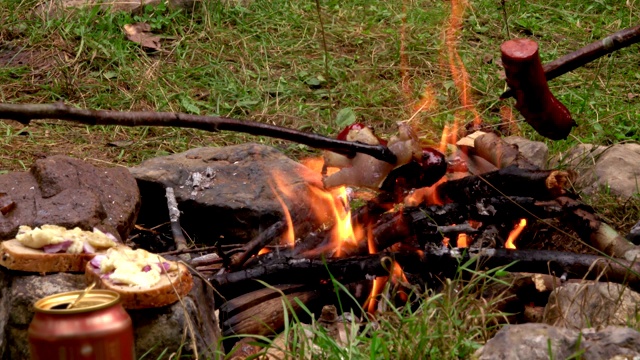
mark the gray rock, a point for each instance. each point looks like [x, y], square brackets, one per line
[599, 304]
[24, 292]
[634, 234]
[535, 151]
[541, 341]
[224, 192]
[70, 192]
[616, 168]
[166, 329]
[156, 330]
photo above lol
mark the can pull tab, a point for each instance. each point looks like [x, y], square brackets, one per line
[82, 295]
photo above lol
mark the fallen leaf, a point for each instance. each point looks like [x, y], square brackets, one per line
[631, 96]
[120, 143]
[141, 33]
[6, 204]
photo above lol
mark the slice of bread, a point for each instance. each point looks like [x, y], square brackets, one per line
[173, 285]
[15, 256]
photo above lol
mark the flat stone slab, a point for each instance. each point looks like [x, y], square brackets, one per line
[227, 192]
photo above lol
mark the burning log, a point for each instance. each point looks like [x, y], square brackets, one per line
[437, 259]
[523, 69]
[24, 113]
[509, 181]
[587, 54]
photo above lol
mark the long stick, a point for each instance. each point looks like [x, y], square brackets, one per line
[587, 54]
[24, 113]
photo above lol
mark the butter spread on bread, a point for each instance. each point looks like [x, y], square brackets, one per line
[139, 267]
[78, 240]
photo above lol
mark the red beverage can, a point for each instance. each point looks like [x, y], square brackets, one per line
[96, 328]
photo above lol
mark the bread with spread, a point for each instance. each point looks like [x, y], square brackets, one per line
[143, 279]
[52, 248]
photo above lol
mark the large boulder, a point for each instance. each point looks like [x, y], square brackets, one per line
[541, 342]
[598, 304]
[156, 331]
[69, 192]
[227, 192]
[616, 168]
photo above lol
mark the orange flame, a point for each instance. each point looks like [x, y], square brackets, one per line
[514, 234]
[316, 164]
[398, 277]
[289, 236]
[404, 61]
[333, 206]
[376, 289]
[463, 240]
[506, 113]
[397, 274]
[443, 139]
[426, 195]
[456, 66]
[263, 251]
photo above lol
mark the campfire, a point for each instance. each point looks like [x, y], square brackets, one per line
[422, 209]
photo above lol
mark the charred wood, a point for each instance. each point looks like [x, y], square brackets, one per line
[437, 259]
[509, 181]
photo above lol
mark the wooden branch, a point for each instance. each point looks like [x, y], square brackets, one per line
[603, 237]
[587, 54]
[437, 259]
[24, 113]
[261, 312]
[254, 245]
[176, 229]
[509, 181]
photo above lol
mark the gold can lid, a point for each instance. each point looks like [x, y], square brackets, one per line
[91, 301]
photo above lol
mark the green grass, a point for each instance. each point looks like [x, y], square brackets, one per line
[451, 324]
[264, 61]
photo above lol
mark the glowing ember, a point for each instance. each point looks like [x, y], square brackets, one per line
[463, 241]
[514, 234]
[445, 241]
